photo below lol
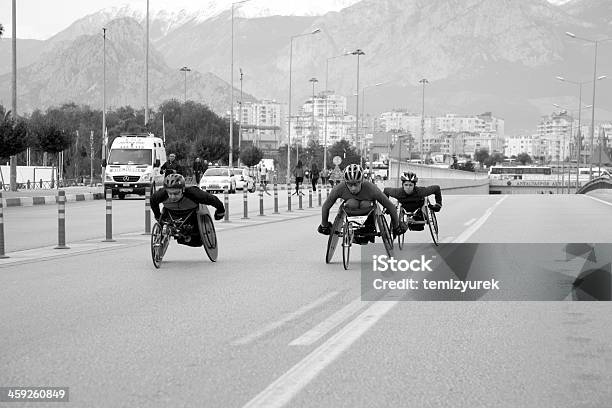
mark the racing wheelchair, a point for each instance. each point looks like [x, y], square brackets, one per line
[429, 218]
[352, 224]
[179, 228]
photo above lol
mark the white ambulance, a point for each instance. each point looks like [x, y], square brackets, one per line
[133, 164]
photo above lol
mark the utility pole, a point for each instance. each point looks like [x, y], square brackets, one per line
[13, 158]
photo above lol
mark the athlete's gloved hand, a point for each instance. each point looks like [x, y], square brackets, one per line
[400, 229]
[435, 207]
[324, 229]
[219, 215]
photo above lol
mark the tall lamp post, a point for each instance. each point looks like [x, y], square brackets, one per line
[104, 141]
[363, 120]
[422, 81]
[146, 118]
[231, 124]
[357, 52]
[578, 134]
[326, 97]
[13, 158]
[289, 113]
[312, 128]
[185, 70]
[240, 117]
[596, 42]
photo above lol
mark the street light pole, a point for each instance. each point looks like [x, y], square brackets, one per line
[185, 70]
[358, 52]
[289, 113]
[363, 118]
[103, 98]
[326, 97]
[312, 128]
[578, 134]
[596, 42]
[147, 70]
[240, 118]
[422, 81]
[13, 158]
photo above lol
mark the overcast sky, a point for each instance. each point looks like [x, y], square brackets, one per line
[41, 19]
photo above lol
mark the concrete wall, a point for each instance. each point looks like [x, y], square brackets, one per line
[434, 172]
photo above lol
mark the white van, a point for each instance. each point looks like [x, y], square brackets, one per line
[133, 164]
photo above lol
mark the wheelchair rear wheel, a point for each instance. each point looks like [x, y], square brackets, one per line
[334, 234]
[385, 234]
[347, 241]
[159, 244]
[208, 235]
[432, 222]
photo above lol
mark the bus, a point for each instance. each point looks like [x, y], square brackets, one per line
[520, 172]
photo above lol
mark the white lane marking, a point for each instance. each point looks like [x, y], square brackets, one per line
[598, 199]
[468, 223]
[327, 325]
[476, 225]
[286, 319]
[281, 391]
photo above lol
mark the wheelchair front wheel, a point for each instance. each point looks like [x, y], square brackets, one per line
[334, 234]
[432, 222]
[159, 244]
[347, 241]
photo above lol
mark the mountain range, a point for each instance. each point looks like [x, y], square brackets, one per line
[478, 55]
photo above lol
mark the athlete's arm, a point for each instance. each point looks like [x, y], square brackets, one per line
[433, 189]
[382, 199]
[333, 196]
[202, 197]
[156, 199]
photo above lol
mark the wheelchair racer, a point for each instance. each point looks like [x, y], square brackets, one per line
[359, 197]
[180, 201]
[412, 198]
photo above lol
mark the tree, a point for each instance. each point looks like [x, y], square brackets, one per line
[346, 151]
[1, 30]
[494, 159]
[251, 155]
[524, 158]
[51, 139]
[13, 135]
[481, 156]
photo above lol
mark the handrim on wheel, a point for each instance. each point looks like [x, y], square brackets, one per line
[159, 244]
[208, 235]
[385, 234]
[432, 222]
[334, 234]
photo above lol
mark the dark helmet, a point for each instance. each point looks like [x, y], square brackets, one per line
[353, 173]
[174, 181]
[409, 176]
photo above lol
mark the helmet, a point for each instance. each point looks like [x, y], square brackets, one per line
[353, 173]
[174, 181]
[409, 176]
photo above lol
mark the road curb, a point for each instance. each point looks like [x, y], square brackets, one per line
[49, 199]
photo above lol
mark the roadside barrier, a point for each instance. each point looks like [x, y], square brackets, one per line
[2, 228]
[310, 196]
[147, 212]
[226, 203]
[245, 203]
[261, 203]
[109, 216]
[61, 220]
[288, 197]
[319, 187]
[300, 194]
[275, 198]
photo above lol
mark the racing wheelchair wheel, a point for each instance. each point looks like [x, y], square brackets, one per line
[432, 222]
[159, 244]
[206, 227]
[334, 234]
[347, 241]
[401, 238]
[385, 233]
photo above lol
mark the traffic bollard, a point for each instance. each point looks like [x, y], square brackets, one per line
[147, 212]
[319, 193]
[275, 198]
[261, 205]
[61, 220]
[288, 197]
[245, 203]
[109, 216]
[2, 255]
[309, 196]
[300, 198]
[226, 203]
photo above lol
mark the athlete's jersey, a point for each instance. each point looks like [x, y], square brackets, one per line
[192, 197]
[416, 199]
[369, 192]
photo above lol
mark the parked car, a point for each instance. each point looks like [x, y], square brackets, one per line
[218, 179]
[243, 178]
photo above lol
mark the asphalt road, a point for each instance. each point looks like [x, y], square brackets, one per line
[270, 324]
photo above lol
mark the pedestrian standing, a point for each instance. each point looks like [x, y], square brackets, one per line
[314, 176]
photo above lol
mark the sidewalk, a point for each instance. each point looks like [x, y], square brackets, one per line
[49, 196]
